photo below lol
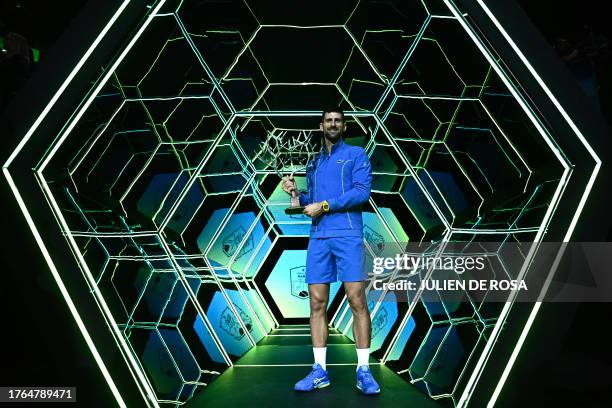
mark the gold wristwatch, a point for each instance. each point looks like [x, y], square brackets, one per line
[325, 206]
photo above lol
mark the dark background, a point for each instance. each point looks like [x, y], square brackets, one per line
[566, 360]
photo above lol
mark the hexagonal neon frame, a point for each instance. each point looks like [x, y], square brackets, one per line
[461, 18]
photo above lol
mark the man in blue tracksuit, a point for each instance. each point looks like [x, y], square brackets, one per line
[338, 183]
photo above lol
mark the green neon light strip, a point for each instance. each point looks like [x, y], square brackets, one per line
[488, 348]
[224, 222]
[66, 82]
[557, 189]
[134, 366]
[23, 207]
[196, 304]
[235, 254]
[581, 204]
[416, 178]
[64, 291]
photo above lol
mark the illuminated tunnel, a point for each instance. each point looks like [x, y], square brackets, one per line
[178, 262]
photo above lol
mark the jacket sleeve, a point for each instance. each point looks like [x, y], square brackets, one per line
[360, 191]
[305, 198]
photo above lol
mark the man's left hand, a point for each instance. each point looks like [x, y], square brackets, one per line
[313, 210]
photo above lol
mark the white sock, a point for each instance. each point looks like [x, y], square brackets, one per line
[319, 356]
[363, 357]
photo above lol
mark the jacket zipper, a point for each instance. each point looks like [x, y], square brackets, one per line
[342, 181]
[314, 195]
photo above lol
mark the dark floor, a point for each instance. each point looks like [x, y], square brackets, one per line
[266, 374]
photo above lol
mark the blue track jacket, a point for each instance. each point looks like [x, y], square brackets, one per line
[344, 179]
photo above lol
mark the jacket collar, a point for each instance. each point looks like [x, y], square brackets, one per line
[334, 148]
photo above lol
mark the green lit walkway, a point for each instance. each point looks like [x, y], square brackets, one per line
[265, 375]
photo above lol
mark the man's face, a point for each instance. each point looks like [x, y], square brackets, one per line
[333, 126]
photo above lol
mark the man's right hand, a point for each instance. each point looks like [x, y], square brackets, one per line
[288, 185]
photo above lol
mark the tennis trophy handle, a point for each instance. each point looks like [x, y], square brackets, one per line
[294, 205]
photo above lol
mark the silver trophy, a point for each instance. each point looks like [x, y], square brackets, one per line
[287, 152]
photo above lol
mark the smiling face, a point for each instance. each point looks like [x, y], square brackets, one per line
[333, 126]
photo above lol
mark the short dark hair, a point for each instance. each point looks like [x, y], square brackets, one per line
[334, 109]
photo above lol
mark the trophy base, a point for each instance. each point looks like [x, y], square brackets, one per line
[294, 210]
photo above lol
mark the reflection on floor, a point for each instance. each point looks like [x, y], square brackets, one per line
[266, 374]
